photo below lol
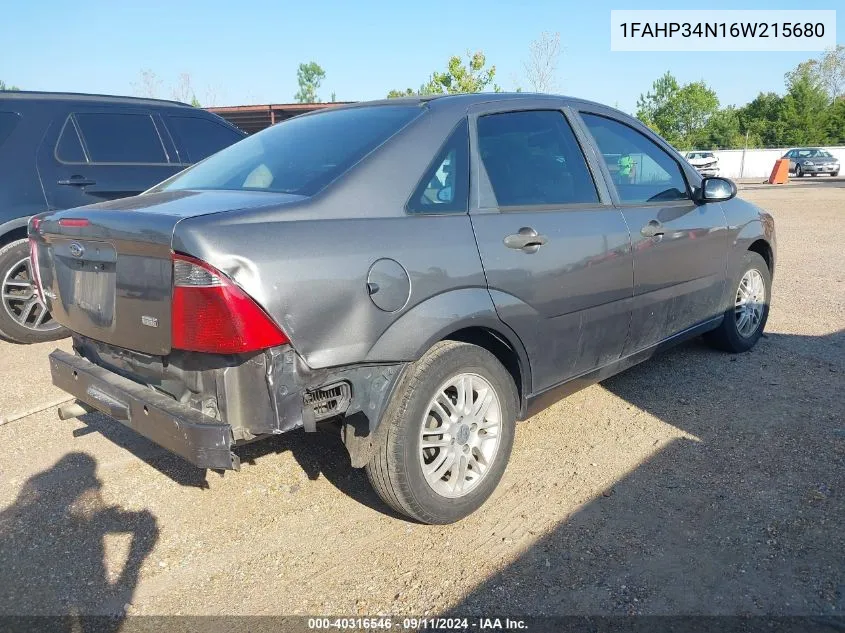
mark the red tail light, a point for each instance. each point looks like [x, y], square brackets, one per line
[212, 314]
[74, 222]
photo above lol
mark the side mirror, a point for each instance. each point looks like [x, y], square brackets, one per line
[716, 189]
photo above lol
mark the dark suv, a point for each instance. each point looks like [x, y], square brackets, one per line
[59, 151]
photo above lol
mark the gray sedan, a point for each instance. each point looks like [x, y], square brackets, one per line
[812, 160]
[424, 271]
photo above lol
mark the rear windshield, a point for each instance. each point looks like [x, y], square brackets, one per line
[299, 156]
[8, 121]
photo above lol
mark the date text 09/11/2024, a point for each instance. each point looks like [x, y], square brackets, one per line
[417, 624]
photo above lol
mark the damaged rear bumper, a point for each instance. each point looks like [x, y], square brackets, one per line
[210, 404]
[198, 438]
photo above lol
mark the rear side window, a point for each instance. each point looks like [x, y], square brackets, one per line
[301, 155]
[69, 148]
[199, 138]
[533, 158]
[445, 186]
[121, 138]
[8, 122]
[641, 170]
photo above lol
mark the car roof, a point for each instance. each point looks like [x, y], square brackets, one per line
[465, 100]
[33, 95]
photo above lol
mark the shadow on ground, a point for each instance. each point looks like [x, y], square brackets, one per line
[748, 520]
[52, 548]
[320, 453]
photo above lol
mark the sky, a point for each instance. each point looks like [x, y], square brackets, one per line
[248, 53]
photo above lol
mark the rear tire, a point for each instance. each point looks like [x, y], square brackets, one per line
[443, 477]
[23, 318]
[744, 321]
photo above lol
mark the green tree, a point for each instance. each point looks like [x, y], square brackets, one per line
[309, 76]
[722, 130]
[804, 116]
[5, 86]
[458, 78]
[836, 123]
[652, 104]
[678, 113]
[828, 71]
[762, 120]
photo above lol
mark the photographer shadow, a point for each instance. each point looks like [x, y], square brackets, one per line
[53, 550]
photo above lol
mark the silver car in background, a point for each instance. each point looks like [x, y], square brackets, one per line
[812, 160]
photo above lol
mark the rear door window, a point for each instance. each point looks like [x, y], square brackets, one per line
[121, 138]
[198, 138]
[533, 158]
[8, 122]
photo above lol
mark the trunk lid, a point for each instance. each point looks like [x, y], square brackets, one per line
[110, 279]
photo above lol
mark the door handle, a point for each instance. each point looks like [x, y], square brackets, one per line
[77, 181]
[527, 240]
[652, 229]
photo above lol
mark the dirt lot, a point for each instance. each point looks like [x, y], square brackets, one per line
[694, 483]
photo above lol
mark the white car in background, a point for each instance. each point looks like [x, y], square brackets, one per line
[706, 163]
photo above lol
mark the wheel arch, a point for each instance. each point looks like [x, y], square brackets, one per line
[13, 230]
[465, 314]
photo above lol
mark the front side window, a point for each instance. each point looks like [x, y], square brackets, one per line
[301, 155]
[121, 138]
[533, 158]
[641, 170]
[199, 138]
[445, 187]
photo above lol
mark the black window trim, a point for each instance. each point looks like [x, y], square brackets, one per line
[70, 121]
[617, 200]
[462, 121]
[72, 117]
[601, 204]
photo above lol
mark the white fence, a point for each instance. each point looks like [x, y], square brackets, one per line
[757, 163]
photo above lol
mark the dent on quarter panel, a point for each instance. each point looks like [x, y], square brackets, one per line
[312, 274]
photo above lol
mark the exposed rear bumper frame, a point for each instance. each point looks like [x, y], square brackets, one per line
[198, 438]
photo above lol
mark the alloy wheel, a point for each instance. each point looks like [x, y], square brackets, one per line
[750, 303]
[460, 435]
[21, 302]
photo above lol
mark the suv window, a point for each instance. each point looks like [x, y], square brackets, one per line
[69, 149]
[641, 169]
[301, 155]
[198, 138]
[8, 122]
[533, 158]
[445, 186]
[121, 138]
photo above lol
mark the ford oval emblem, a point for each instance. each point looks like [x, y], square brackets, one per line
[76, 249]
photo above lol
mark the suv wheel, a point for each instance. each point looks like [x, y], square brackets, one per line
[743, 324]
[449, 435]
[23, 317]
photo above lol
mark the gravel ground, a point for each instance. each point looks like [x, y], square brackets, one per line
[697, 483]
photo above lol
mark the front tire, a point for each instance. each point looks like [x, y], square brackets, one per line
[743, 324]
[23, 317]
[798, 172]
[450, 430]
